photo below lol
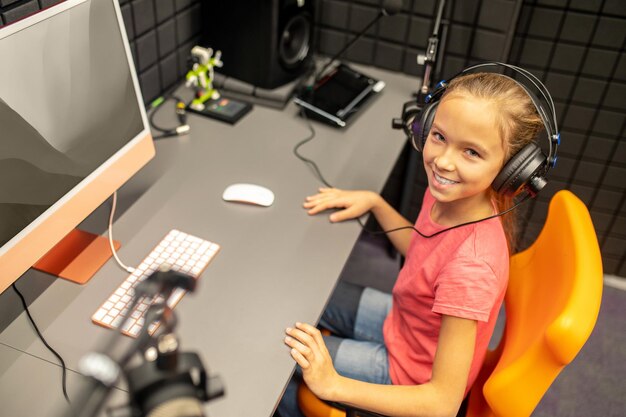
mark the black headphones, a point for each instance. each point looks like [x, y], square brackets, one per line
[527, 169]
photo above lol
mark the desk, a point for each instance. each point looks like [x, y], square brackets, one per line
[277, 264]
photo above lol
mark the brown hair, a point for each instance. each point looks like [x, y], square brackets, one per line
[517, 120]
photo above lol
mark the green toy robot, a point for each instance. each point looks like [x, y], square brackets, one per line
[200, 77]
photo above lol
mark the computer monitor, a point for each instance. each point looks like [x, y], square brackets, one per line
[73, 127]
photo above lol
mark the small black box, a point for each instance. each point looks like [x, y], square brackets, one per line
[224, 109]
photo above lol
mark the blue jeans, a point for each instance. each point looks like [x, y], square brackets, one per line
[355, 315]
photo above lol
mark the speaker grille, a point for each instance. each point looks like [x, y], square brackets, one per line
[295, 41]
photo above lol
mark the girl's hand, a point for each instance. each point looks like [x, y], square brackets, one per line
[309, 351]
[353, 203]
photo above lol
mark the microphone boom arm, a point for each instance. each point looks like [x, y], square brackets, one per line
[429, 59]
[381, 13]
[104, 369]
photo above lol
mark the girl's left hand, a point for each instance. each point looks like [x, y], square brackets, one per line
[309, 351]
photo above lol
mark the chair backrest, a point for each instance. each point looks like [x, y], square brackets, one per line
[551, 304]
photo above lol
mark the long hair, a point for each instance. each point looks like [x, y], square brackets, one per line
[518, 123]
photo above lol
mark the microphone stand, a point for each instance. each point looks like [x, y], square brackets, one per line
[432, 66]
[103, 372]
[430, 58]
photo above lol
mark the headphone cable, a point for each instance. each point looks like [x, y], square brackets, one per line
[374, 232]
[54, 352]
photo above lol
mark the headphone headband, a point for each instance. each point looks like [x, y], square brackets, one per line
[525, 170]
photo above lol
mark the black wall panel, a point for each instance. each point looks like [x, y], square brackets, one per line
[587, 42]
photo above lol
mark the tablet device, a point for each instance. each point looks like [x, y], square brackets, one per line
[338, 96]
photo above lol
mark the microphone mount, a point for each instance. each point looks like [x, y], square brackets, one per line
[166, 379]
[429, 59]
[431, 64]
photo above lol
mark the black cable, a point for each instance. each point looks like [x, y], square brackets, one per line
[374, 232]
[54, 352]
[156, 104]
[165, 135]
[306, 160]
[182, 129]
[154, 125]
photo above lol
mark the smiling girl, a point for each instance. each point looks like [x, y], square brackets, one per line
[417, 351]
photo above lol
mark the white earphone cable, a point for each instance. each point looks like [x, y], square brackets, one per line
[119, 261]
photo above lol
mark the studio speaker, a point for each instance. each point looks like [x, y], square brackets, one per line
[266, 43]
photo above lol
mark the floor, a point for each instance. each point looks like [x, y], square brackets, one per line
[591, 386]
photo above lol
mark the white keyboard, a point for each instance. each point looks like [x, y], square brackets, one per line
[182, 253]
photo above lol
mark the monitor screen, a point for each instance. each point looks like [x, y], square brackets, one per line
[71, 120]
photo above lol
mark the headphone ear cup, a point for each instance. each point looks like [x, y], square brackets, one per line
[519, 170]
[422, 125]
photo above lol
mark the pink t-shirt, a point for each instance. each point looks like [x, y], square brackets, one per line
[462, 272]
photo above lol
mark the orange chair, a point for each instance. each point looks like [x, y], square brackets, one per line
[552, 303]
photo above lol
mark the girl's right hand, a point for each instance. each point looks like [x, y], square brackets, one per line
[309, 351]
[353, 203]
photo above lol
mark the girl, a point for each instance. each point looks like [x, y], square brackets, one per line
[418, 351]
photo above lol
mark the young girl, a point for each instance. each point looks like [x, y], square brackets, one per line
[418, 351]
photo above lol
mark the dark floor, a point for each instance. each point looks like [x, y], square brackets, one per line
[593, 385]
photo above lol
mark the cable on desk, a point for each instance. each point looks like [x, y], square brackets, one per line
[306, 160]
[117, 259]
[313, 165]
[181, 113]
[54, 352]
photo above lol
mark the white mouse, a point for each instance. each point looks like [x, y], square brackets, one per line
[249, 193]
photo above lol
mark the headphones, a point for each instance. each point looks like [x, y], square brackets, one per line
[526, 170]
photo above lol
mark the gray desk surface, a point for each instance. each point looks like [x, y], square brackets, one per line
[277, 264]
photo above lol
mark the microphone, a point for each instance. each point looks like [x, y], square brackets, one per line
[410, 110]
[167, 382]
[388, 8]
[175, 384]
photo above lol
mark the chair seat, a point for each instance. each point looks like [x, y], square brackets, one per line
[312, 406]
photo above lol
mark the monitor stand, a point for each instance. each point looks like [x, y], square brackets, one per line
[77, 257]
